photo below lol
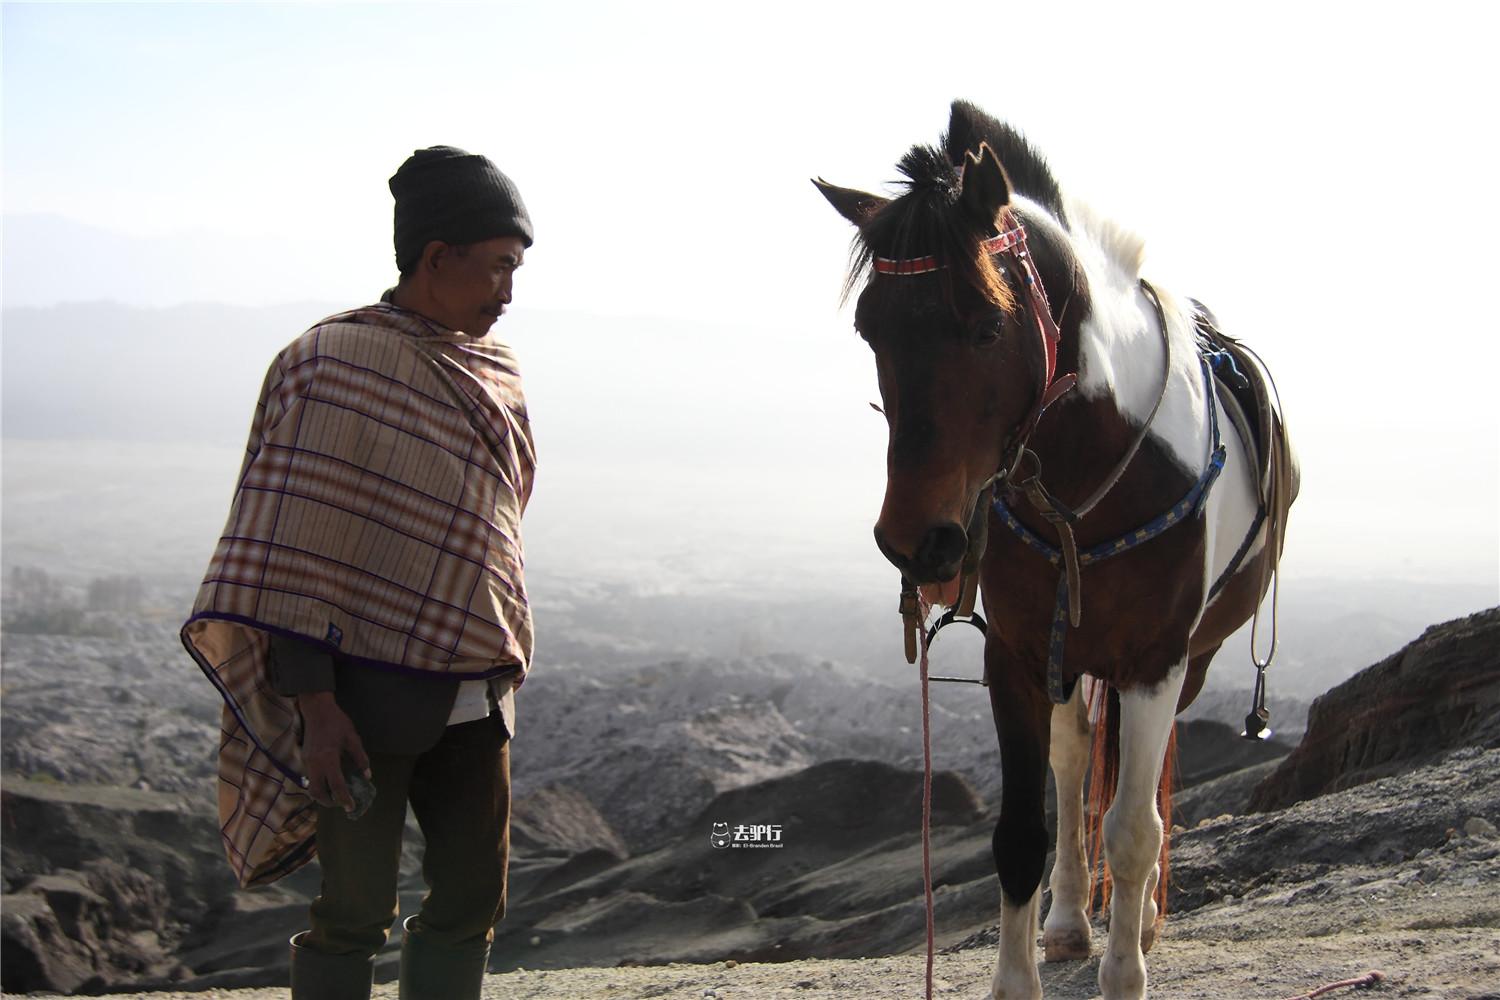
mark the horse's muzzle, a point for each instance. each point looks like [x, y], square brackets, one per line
[939, 555]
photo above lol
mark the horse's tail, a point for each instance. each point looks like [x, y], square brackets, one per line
[1104, 772]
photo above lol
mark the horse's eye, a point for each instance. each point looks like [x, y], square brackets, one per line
[986, 327]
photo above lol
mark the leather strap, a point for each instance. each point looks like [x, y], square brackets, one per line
[1060, 515]
[911, 618]
[1062, 520]
[1145, 428]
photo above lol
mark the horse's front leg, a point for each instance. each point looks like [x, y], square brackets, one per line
[1133, 831]
[1022, 720]
[1067, 934]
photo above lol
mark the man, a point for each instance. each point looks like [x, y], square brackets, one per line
[365, 612]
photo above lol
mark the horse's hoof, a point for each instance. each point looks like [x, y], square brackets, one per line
[1065, 946]
[1149, 933]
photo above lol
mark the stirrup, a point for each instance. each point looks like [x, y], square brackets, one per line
[950, 617]
[1258, 722]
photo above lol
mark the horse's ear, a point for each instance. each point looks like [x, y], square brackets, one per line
[985, 187]
[856, 206]
[967, 127]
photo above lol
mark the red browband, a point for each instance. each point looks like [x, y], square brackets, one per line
[1008, 240]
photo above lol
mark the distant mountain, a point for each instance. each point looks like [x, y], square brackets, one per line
[673, 455]
[103, 371]
[1331, 628]
[704, 489]
[197, 266]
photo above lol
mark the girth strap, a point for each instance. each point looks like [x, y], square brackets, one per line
[1060, 689]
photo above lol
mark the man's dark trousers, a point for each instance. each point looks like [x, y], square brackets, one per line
[460, 793]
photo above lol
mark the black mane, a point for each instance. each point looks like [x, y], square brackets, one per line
[932, 173]
[922, 221]
[1027, 169]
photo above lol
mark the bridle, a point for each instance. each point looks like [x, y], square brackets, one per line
[1010, 241]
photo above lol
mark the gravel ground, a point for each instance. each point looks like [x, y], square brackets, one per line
[1429, 920]
[1430, 941]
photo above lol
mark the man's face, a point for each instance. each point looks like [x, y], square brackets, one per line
[472, 284]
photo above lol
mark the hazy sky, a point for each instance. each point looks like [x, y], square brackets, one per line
[1320, 174]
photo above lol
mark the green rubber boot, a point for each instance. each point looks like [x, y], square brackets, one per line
[432, 971]
[316, 976]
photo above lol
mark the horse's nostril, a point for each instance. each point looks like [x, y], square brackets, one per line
[942, 547]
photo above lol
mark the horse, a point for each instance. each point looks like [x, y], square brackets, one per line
[1117, 524]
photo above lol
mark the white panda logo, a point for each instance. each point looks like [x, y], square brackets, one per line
[720, 835]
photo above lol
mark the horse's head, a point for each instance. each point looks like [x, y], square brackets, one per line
[960, 366]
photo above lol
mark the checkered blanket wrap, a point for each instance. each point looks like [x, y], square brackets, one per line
[377, 512]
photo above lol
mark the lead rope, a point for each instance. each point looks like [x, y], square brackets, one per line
[924, 608]
[1359, 982]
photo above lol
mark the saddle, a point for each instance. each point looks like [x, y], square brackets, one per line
[1248, 394]
[1249, 397]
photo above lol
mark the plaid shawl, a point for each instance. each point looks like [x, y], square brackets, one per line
[378, 513]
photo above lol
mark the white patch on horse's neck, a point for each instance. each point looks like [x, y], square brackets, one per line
[1120, 353]
[1122, 250]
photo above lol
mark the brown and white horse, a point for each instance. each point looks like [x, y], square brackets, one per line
[963, 373]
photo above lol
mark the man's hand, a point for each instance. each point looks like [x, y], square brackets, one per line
[328, 737]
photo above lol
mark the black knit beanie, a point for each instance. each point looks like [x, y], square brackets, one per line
[445, 193]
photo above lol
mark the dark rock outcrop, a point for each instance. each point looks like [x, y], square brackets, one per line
[1387, 822]
[83, 930]
[650, 746]
[1207, 750]
[840, 876]
[1439, 693]
[51, 827]
[647, 753]
[101, 885]
[1226, 794]
[1229, 705]
[842, 801]
[561, 820]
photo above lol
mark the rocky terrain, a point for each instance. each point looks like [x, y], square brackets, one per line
[112, 874]
[1271, 905]
[1402, 711]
